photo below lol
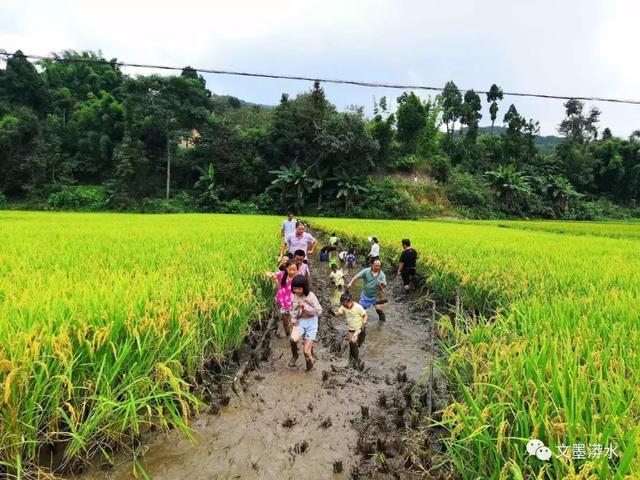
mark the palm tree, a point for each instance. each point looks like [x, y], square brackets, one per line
[509, 184]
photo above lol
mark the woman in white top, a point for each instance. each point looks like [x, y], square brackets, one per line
[375, 250]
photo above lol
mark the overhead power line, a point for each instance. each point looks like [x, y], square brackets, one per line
[359, 83]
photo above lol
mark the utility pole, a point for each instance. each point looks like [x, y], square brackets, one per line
[168, 164]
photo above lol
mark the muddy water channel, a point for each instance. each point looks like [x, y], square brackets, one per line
[289, 423]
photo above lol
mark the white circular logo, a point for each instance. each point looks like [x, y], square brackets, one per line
[543, 453]
[533, 445]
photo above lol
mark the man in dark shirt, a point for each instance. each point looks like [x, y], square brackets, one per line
[407, 265]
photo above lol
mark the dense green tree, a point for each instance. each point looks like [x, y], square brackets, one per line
[132, 168]
[294, 182]
[578, 165]
[577, 125]
[411, 120]
[93, 130]
[561, 191]
[206, 184]
[430, 137]
[78, 124]
[162, 110]
[381, 129]
[470, 114]
[451, 106]
[493, 96]
[21, 84]
[19, 128]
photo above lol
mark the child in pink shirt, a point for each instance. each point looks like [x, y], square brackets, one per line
[283, 292]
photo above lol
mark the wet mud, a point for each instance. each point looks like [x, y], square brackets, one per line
[332, 422]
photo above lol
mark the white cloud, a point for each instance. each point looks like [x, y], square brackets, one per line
[574, 47]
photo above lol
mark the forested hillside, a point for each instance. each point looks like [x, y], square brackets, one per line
[78, 133]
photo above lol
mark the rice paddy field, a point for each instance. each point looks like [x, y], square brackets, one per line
[603, 229]
[549, 348]
[105, 319]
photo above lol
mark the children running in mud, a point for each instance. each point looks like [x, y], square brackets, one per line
[300, 309]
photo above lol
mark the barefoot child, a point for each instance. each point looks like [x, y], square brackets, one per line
[305, 310]
[337, 276]
[283, 292]
[356, 322]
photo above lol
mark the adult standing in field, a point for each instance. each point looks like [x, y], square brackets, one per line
[407, 265]
[374, 253]
[300, 240]
[288, 226]
[374, 280]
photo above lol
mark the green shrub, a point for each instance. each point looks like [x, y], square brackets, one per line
[3, 201]
[429, 195]
[408, 162]
[600, 209]
[237, 206]
[465, 189]
[82, 197]
[384, 200]
[265, 203]
[440, 167]
[121, 202]
[181, 203]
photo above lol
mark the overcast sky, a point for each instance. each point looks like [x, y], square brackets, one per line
[565, 47]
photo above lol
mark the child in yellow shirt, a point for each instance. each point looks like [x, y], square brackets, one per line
[337, 276]
[357, 318]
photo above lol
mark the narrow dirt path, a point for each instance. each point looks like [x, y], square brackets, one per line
[288, 423]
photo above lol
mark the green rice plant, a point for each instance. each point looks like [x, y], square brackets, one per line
[602, 229]
[105, 320]
[558, 355]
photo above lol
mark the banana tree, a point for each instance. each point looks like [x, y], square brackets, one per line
[509, 184]
[294, 182]
[349, 188]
